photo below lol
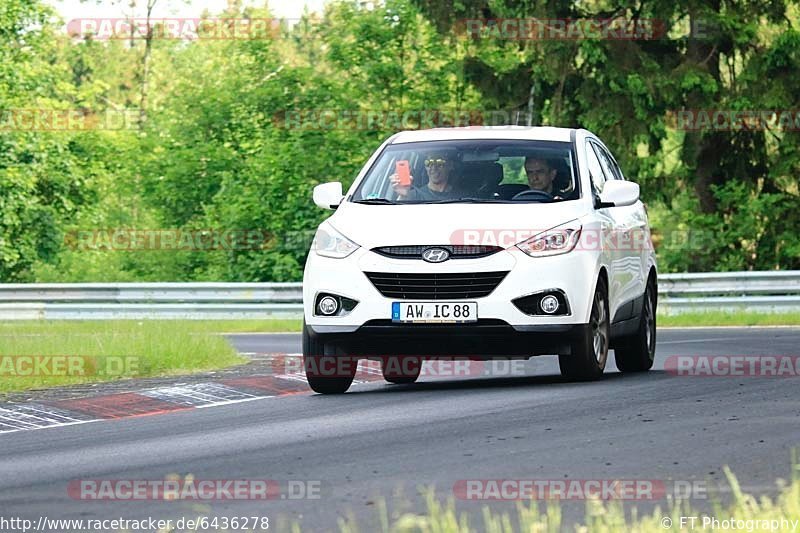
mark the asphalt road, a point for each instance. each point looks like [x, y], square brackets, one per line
[385, 441]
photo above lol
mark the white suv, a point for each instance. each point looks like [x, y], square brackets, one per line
[481, 243]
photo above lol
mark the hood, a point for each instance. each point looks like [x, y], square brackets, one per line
[438, 224]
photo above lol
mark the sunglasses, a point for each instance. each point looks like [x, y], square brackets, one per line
[435, 162]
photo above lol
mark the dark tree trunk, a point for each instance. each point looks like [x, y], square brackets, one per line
[709, 146]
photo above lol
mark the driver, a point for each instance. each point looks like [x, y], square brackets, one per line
[540, 174]
[439, 166]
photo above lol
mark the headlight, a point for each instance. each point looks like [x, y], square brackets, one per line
[330, 243]
[556, 241]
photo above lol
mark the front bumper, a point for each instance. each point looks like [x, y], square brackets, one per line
[484, 339]
[502, 328]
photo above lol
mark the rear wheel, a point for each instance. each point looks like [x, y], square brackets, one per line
[637, 352]
[401, 369]
[327, 370]
[590, 350]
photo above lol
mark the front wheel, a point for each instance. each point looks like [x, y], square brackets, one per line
[327, 371]
[589, 353]
[637, 352]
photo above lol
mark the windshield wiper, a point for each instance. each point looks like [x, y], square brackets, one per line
[375, 201]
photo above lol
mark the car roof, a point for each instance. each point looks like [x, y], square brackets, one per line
[537, 133]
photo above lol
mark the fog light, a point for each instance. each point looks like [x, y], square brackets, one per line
[549, 304]
[328, 305]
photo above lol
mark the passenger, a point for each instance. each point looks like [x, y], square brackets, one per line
[439, 187]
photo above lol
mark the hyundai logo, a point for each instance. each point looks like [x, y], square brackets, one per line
[435, 255]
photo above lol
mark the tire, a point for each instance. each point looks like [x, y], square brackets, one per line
[637, 352]
[401, 369]
[320, 360]
[589, 353]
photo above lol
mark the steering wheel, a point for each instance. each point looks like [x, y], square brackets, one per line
[533, 194]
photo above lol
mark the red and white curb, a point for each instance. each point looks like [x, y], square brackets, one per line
[39, 415]
[20, 417]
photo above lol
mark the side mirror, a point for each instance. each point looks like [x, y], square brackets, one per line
[328, 195]
[617, 193]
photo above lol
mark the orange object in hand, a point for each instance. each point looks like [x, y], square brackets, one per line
[403, 172]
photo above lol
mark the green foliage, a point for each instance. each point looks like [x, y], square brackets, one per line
[752, 231]
[44, 179]
[233, 138]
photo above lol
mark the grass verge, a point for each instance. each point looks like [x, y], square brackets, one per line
[743, 513]
[720, 318]
[276, 325]
[92, 351]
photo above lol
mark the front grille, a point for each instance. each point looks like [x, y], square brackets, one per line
[435, 286]
[457, 251]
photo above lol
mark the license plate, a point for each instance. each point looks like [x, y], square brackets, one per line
[438, 312]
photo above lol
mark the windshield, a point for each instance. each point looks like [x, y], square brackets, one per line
[470, 171]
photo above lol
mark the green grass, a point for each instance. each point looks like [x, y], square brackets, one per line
[720, 318]
[273, 325]
[112, 350]
[442, 517]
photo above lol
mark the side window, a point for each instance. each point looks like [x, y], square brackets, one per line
[609, 165]
[595, 169]
[615, 167]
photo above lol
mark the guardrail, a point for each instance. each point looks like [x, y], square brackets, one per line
[771, 291]
[100, 301]
[766, 291]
